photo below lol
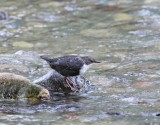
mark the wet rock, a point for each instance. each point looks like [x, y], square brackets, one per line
[15, 86]
[108, 7]
[98, 33]
[1, 26]
[45, 16]
[154, 2]
[158, 114]
[21, 62]
[143, 84]
[22, 44]
[12, 67]
[36, 25]
[3, 15]
[3, 50]
[122, 17]
[55, 82]
[101, 25]
[113, 113]
[50, 4]
[5, 33]
[72, 116]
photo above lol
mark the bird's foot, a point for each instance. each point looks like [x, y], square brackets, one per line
[70, 84]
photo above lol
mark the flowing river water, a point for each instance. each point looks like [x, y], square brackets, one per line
[123, 34]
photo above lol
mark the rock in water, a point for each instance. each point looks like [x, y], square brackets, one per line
[54, 82]
[15, 86]
[3, 15]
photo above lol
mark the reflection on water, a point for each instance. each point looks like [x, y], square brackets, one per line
[124, 34]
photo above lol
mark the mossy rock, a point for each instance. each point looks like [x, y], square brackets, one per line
[14, 86]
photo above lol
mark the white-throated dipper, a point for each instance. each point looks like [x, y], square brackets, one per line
[70, 65]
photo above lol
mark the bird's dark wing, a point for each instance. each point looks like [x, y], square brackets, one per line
[68, 65]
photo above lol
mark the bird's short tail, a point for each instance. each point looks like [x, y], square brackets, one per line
[46, 59]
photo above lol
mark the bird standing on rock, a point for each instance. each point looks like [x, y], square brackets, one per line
[70, 65]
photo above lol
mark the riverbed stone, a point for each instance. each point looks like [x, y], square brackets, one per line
[14, 86]
[122, 17]
[98, 33]
[22, 44]
[153, 2]
[49, 4]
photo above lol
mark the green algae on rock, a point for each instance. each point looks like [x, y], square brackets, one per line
[15, 86]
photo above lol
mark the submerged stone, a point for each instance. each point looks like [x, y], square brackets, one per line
[3, 15]
[122, 17]
[98, 33]
[50, 4]
[14, 86]
[152, 2]
[22, 44]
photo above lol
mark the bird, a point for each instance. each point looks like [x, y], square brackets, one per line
[70, 65]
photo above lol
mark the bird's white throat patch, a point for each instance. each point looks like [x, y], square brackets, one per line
[84, 68]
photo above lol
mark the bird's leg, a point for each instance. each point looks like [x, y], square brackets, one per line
[69, 83]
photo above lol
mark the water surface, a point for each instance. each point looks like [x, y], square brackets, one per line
[123, 34]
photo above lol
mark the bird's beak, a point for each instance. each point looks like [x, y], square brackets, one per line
[46, 59]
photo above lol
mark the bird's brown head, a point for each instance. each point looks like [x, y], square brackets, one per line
[89, 60]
